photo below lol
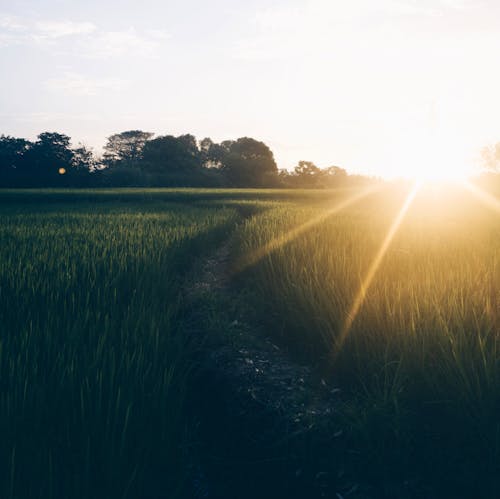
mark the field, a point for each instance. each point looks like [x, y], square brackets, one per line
[93, 362]
[388, 295]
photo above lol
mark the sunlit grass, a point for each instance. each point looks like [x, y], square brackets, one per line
[374, 266]
[408, 286]
[391, 294]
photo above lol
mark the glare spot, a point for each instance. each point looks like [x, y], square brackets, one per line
[62, 171]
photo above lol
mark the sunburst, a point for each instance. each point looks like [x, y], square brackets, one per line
[372, 270]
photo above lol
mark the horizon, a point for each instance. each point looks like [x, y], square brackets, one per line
[368, 88]
[250, 249]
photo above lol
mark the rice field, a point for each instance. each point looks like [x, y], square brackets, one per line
[393, 298]
[402, 310]
[93, 360]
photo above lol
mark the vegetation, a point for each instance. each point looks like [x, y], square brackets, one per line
[93, 358]
[418, 357]
[135, 159]
[97, 360]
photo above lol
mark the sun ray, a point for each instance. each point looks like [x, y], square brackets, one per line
[486, 198]
[277, 242]
[365, 284]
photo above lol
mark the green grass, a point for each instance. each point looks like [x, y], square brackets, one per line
[419, 367]
[93, 360]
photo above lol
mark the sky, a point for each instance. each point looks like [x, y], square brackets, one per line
[369, 85]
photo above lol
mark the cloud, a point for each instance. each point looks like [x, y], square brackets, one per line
[59, 29]
[14, 31]
[48, 117]
[11, 23]
[318, 26]
[461, 4]
[158, 34]
[89, 41]
[110, 44]
[7, 40]
[78, 85]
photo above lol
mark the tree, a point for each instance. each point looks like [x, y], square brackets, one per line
[84, 159]
[247, 162]
[211, 154]
[48, 159]
[12, 151]
[189, 144]
[333, 176]
[171, 154]
[126, 146]
[306, 174]
[335, 172]
[306, 169]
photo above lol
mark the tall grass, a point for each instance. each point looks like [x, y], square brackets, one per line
[93, 360]
[94, 364]
[420, 363]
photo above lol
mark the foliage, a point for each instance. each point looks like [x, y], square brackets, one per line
[134, 159]
[419, 361]
[248, 163]
[125, 147]
[307, 174]
[93, 360]
[171, 154]
[95, 367]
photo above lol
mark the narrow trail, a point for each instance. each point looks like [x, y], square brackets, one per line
[266, 423]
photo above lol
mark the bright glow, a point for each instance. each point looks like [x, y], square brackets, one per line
[387, 87]
[428, 157]
[294, 232]
[485, 198]
[365, 284]
[62, 171]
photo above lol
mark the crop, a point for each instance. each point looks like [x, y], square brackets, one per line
[93, 355]
[413, 341]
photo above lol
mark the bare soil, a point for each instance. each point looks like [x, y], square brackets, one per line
[267, 425]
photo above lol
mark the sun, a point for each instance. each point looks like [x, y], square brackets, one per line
[436, 172]
[435, 165]
[430, 158]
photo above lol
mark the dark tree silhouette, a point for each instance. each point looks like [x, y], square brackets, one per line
[12, 151]
[48, 162]
[212, 154]
[134, 158]
[247, 162]
[171, 154]
[49, 159]
[126, 146]
[84, 159]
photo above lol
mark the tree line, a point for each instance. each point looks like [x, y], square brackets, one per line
[138, 159]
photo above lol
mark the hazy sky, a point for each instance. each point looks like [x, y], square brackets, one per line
[366, 84]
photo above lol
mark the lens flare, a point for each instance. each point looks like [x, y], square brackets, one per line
[487, 199]
[277, 242]
[365, 284]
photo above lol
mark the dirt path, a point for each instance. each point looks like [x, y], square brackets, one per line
[267, 423]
